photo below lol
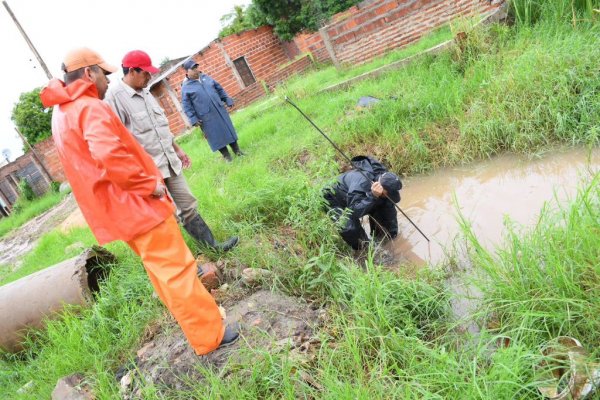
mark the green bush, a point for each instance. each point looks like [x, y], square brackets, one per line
[26, 190]
[54, 186]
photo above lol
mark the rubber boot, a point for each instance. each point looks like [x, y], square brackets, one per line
[232, 334]
[225, 153]
[236, 149]
[201, 233]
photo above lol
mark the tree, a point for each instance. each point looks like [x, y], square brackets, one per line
[164, 62]
[241, 19]
[30, 117]
[289, 17]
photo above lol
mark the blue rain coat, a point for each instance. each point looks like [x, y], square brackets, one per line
[203, 100]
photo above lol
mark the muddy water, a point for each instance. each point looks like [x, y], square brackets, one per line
[487, 194]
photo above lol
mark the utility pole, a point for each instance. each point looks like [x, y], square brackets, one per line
[31, 46]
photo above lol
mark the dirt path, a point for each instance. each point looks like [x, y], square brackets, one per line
[22, 240]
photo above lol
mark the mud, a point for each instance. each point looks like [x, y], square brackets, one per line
[269, 322]
[22, 240]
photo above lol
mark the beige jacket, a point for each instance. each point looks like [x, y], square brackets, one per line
[142, 115]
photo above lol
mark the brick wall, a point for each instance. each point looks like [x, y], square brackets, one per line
[249, 95]
[27, 167]
[176, 119]
[257, 90]
[313, 43]
[373, 27]
[46, 151]
[295, 67]
[263, 51]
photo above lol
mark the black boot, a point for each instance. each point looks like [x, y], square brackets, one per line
[236, 149]
[201, 233]
[225, 153]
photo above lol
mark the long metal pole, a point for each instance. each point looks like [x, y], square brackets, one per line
[31, 46]
[350, 161]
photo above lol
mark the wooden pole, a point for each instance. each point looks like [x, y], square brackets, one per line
[31, 46]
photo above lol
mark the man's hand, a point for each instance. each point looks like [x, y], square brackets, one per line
[185, 160]
[160, 190]
[377, 189]
[198, 124]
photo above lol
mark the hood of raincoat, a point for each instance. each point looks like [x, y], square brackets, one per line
[57, 92]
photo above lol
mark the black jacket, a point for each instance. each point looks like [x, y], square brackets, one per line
[353, 191]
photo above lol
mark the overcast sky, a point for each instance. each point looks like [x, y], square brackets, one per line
[173, 28]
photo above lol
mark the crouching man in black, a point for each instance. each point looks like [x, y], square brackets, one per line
[367, 189]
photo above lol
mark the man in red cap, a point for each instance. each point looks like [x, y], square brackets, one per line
[122, 196]
[141, 114]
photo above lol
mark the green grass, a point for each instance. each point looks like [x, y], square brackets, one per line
[29, 210]
[574, 11]
[520, 89]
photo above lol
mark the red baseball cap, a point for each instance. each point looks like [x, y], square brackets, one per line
[139, 59]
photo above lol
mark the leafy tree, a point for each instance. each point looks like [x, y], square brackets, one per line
[288, 17]
[164, 62]
[241, 19]
[31, 118]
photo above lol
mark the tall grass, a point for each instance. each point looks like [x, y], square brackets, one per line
[532, 11]
[545, 284]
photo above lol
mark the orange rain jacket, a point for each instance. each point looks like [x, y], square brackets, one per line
[111, 175]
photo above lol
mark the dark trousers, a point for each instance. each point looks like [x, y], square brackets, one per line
[225, 152]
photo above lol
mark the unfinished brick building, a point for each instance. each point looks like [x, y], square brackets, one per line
[248, 65]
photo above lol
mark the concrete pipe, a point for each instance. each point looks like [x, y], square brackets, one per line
[27, 302]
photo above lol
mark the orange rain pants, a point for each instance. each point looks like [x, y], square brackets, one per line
[173, 272]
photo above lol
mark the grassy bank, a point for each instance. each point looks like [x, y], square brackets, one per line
[520, 89]
[29, 210]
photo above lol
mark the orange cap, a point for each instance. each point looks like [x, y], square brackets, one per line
[84, 57]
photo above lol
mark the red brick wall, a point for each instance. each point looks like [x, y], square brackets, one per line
[176, 121]
[373, 27]
[249, 95]
[257, 90]
[46, 151]
[11, 173]
[264, 53]
[312, 43]
[295, 67]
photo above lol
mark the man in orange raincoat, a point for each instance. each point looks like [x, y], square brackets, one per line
[122, 196]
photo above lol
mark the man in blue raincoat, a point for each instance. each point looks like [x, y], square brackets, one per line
[203, 99]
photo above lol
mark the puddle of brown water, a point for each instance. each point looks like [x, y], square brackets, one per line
[487, 193]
